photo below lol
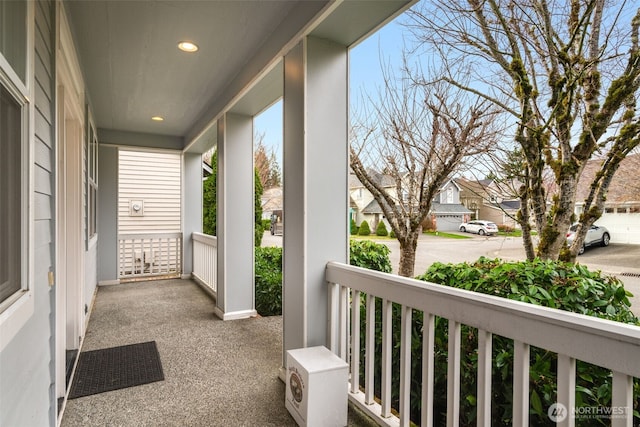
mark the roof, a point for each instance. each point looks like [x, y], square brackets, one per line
[624, 187]
[381, 179]
[372, 208]
[271, 199]
[449, 208]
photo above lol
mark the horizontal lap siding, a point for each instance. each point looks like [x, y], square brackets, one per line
[27, 373]
[155, 179]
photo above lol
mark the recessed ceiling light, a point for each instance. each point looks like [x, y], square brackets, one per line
[187, 46]
[157, 119]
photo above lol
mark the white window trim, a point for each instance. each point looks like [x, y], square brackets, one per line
[18, 309]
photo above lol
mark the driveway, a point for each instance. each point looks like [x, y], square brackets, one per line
[622, 261]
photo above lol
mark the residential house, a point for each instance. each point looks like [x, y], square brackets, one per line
[271, 201]
[622, 206]
[363, 206]
[490, 200]
[447, 213]
[81, 81]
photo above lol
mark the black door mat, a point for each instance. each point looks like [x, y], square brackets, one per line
[115, 368]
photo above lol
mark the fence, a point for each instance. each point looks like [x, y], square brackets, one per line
[148, 255]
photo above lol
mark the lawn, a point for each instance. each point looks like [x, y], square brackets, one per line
[446, 235]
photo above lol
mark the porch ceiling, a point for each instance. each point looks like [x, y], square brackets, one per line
[133, 69]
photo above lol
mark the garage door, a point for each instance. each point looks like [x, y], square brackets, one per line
[448, 222]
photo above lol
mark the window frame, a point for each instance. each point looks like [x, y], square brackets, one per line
[17, 309]
[91, 178]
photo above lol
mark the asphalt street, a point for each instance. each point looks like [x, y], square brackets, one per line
[622, 261]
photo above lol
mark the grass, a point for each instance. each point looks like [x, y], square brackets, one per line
[446, 235]
[371, 237]
[430, 233]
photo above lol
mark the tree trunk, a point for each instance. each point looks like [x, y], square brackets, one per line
[408, 247]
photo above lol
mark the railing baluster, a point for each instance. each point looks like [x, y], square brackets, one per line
[343, 332]
[521, 384]
[622, 400]
[484, 378]
[355, 341]
[333, 315]
[428, 332]
[566, 388]
[386, 358]
[369, 355]
[593, 340]
[453, 374]
[405, 366]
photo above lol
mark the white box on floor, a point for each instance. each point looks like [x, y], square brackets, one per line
[317, 386]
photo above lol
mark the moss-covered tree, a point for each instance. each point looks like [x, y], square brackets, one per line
[568, 73]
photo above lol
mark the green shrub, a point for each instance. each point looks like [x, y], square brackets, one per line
[552, 284]
[371, 255]
[364, 229]
[381, 229]
[266, 224]
[506, 228]
[353, 227]
[268, 281]
[268, 271]
[392, 234]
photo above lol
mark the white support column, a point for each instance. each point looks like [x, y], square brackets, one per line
[315, 171]
[235, 221]
[191, 207]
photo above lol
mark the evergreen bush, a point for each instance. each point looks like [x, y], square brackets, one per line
[268, 281]
[364, 229]
[552, 284]
[353, 227]
[381, 229]
[268, 271]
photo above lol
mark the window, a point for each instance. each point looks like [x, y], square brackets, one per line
[609, 210]
[11, 194]
[91, 167]
[13, 35]
[450, 195]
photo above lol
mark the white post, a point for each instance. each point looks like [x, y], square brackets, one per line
[235, 222]
[191, 207]
[315, 171]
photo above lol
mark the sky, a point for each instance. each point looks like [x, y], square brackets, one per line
[365, 75]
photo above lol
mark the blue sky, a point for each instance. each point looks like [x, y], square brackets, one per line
[365, 76]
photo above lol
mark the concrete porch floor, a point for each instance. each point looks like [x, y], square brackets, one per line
[216, 373]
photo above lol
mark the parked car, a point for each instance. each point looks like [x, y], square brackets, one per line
[596, 235]
[480, 227]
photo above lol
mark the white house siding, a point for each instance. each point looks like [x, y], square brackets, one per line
[27, 395]
[154, 178]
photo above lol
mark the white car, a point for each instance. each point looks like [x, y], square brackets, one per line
[596, 235]
[480, 227]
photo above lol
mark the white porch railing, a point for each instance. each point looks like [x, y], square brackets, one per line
[614, 346]
[147, 255]
[205, 261]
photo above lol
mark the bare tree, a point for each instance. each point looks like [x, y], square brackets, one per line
[567, 72]
[419, 135]
[266, 163]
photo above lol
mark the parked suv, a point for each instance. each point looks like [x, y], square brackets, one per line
[480, 227]
[596, 235]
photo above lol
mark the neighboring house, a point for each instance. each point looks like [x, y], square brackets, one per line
[622, 207]
[490, 200]
[447, 213]
[271, 201]
[363, 206]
